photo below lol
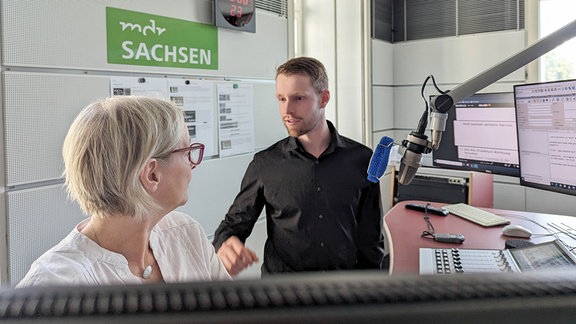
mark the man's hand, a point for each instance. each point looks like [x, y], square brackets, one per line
[235, 256]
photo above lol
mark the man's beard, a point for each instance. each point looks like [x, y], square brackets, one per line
[299, 131]
[304, 126]
[294, 132]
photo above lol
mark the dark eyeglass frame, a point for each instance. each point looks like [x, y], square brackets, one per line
[189, 149]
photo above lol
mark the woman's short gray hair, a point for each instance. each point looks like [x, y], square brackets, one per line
[107, 146]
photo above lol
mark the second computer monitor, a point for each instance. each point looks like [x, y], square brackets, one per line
[547, 135]
[480, 135]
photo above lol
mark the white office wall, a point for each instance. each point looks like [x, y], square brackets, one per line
[453, 60]
[508, 194]
[542, 201]
[382, 59]
[54, 63]
[333, 32]
[350, 69]
[319, 40]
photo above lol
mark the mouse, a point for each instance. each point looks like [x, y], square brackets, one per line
[513, 230]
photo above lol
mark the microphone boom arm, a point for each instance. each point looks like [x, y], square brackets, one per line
[417, 143]
[500, 70]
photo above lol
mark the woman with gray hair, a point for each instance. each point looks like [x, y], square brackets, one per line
[128, 163]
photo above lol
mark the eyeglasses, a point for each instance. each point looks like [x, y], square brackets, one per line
[195, 153]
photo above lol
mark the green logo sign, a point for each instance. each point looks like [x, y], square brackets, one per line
[141, 39]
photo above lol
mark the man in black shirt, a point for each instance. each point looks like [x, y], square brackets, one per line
[321, 211]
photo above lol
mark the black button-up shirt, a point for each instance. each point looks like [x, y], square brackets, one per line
[321, 214]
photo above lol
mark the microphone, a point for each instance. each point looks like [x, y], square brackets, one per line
[437, 126]
[412, 148]
[379, 160]
[440, 106]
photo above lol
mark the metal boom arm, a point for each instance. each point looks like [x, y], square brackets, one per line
[444, 102]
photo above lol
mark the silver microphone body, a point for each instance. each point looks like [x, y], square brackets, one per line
[413, 147]
[437, 126]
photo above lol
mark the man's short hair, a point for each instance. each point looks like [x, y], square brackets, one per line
[306, 66]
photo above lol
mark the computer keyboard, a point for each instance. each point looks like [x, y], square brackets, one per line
[476, 215]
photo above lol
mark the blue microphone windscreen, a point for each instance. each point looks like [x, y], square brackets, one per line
[386, 141]
[379, 160]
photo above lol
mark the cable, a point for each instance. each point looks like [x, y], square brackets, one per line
[429, 234]
[551, 233]
[424, 87]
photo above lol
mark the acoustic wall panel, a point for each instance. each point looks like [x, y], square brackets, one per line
[216, 182]
[53, 33]
[72, 34]
[40, 107]
[38, 110]
[214, 186]
[69, 33]
[38, 219]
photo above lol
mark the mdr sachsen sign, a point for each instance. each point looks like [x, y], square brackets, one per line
[137, 38]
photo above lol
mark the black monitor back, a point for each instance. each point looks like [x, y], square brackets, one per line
[344, 297]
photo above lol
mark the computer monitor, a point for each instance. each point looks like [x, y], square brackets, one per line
[546, 122]
[343, 297]
[480, 135]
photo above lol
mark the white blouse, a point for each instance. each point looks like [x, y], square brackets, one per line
[180, 246]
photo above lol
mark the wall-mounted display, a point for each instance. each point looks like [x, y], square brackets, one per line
[235, 14]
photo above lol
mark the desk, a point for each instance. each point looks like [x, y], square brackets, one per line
[403, 228]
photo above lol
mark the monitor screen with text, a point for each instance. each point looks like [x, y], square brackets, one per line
[546, 121]
[480, 135]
